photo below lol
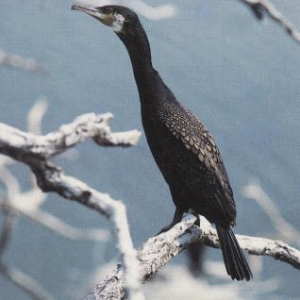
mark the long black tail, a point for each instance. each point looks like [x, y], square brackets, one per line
[234, 259]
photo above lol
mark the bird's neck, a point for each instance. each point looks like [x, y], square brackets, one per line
[146, 76]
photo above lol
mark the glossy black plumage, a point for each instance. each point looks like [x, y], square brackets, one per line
[182, 147]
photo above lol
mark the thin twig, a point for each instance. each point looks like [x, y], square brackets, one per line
[260, 8]
[25, 282]
[255, 192]
[9, 217]
[17, 61]
[61, 228]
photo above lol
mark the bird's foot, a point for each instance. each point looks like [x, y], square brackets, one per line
[197, 222]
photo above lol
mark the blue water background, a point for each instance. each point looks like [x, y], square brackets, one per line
[240, 76]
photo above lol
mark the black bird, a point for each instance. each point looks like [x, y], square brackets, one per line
[183, 148]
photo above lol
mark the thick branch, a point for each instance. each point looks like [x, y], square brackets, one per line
[35, 151]
[25, 146]
[273, 248]
[53, 179]
[154, 255]
[157, 251]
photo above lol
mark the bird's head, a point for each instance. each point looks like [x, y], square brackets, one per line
[118, 18]
[126, 24]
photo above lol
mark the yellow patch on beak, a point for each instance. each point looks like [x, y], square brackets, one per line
[107, 20]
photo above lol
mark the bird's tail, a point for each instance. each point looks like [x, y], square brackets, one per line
[234, 259]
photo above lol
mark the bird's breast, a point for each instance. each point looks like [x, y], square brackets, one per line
[168, 150]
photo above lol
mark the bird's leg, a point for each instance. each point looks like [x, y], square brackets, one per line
[198, 218]
[195, 255]
[176, 219]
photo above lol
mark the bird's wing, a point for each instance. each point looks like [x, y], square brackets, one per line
[197, 139]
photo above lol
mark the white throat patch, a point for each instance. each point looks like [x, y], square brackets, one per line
[117, 25]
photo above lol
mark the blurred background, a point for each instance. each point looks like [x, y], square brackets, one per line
[240, 76]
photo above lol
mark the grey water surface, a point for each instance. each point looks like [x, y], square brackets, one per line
[240, 76]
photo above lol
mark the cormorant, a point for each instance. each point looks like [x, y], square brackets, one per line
[183, 148]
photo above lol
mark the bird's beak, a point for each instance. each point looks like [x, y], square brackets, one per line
[106, 19]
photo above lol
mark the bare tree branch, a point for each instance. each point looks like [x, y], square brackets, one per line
[28, 204]
[153, 13]
[35, 151]
[36, 115]
[255, 192]
[157, 251]
[254, 245]
[273, 248]
[260, 8]
[154, 255]
[22, 146]
[8, 225]
[13, 201]
[61, 228]
[19, 62]
[26, 283]
[53, 179]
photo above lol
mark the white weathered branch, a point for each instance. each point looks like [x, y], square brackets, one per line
[17, 277]
[254, 191]
[255, 245]
[273, 248]
[25, 282]
[53, 179]
[8, 225]
[157, 251]
[28, 204]
[35, 151]
[19, 144]
[153, 13]
[63, 229]
[36, 115]
[17, 61]
[154, 255]
[260, 8]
